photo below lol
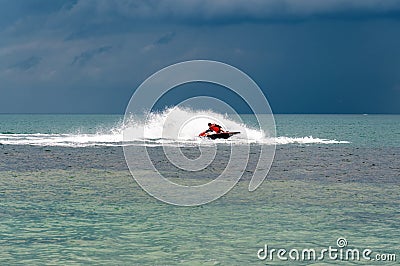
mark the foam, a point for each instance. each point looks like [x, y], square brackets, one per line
[173, 126]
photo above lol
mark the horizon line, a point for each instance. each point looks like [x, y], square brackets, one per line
[300, 113]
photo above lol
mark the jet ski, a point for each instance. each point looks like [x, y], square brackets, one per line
[221, 135]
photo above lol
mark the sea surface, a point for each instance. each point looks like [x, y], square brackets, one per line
[68, 198]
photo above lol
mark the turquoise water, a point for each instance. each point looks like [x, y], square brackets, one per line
[56, 124]
[74, 205]
[102, 217]
[359, 130]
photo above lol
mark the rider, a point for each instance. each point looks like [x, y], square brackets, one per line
[212, 128]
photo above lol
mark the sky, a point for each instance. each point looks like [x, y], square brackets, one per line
[310, 56]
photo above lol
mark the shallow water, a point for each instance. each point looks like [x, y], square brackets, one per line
[103, 217]
[66, 210]
[75, 204]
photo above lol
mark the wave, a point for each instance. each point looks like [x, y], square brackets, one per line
[87, 140]
[307, 140]
[173, 126]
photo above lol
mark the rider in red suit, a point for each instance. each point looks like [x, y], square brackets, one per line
[212, 128]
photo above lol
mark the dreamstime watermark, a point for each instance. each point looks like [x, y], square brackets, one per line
[340, 252]
[149, 93]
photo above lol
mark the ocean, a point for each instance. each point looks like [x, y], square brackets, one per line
[68, 198]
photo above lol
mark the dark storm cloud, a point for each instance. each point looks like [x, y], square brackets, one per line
[308, 56]
[234, 11]
[12, 11]
[85, 16]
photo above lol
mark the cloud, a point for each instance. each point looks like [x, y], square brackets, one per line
[234, 11]
[87, 46]
[27, 63]
[166, 38]
[86, 18]
[86, 56]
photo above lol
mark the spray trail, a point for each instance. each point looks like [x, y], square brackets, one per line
[173, 126]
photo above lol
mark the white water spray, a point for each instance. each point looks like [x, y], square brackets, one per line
[173, 126]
